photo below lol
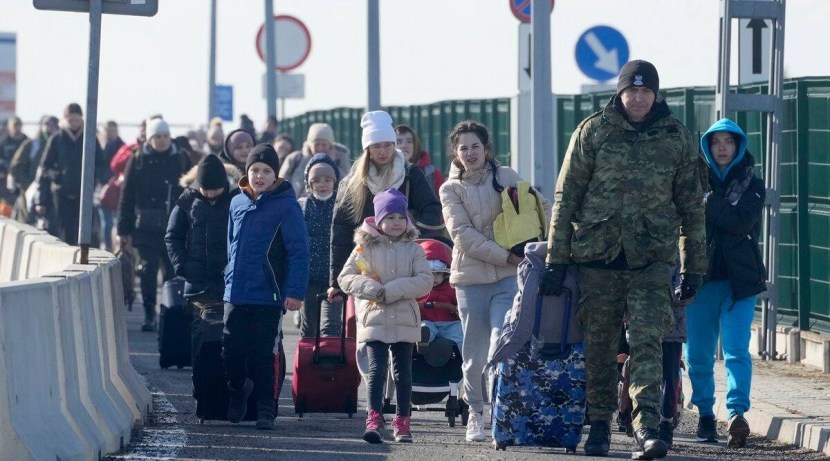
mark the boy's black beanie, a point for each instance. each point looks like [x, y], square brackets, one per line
[263, 153]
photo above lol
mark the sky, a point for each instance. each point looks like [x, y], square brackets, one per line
[431, 50]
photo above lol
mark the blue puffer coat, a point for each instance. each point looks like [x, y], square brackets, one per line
[253, 227]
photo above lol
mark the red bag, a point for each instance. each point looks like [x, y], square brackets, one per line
[111, 193]
[325, 372]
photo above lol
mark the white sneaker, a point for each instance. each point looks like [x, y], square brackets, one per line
[475, 427]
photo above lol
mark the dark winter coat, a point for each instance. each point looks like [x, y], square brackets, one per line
[733, 210]
[265, 235]
[423, 205]
[9, 145]
[197, 241]
[26, 160]
[148, 194]
[318, 216]
[62, 162]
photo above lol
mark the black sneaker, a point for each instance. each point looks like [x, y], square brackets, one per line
[265, 415]
[651, 447]
[238, 401]
[738, 432]
[707, 429]
[665, 432]
[599, 439]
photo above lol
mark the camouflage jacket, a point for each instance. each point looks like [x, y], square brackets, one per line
[621, 189]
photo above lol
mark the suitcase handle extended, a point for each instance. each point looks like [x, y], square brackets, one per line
[563, 343]
[320, 298]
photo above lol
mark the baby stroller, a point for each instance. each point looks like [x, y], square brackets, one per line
[436, 366]
[436, 375]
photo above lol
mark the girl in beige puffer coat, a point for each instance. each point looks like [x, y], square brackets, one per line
[386, 272]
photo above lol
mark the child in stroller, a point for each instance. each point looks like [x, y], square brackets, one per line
[436, 363]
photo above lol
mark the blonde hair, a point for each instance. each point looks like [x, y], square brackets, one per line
[352, 195]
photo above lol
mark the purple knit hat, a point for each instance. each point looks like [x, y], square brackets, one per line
[387, 202]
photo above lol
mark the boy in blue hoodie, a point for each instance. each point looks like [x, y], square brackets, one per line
[321, 179]
[263, 240]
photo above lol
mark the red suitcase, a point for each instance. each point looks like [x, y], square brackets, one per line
[325, 372]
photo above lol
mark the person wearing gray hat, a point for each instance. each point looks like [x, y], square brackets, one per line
[628, 201]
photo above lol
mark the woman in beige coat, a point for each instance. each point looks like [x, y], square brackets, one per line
[385, 273]
[482, 272]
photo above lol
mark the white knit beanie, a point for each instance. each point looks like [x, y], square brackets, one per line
[377, 127]
[156, 126]
[320, 131]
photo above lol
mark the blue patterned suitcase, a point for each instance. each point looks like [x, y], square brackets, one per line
[539, 393]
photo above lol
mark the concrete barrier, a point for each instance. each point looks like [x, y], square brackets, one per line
[111, 315]
[37, 404]
[10, 250]
[70, 391]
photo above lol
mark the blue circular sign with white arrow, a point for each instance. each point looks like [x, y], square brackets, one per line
[601, 51]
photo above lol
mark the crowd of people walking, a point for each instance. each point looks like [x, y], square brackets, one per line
[257, 227]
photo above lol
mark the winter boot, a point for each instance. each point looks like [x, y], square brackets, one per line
[651, 447]
[265, 414]
[707, 429]
[599, 439]
[738, 432]
[665, 432]
[238, 401]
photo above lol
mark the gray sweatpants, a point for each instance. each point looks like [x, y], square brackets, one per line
[482, 309]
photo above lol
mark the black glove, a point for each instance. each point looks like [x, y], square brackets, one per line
[689, 284]
[552, 279]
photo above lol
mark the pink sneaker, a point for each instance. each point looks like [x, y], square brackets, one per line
[401, 429]
[374, 424]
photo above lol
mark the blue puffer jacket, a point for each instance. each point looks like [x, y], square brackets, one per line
[253, 226]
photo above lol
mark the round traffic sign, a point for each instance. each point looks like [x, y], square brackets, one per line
[521, 9]
[601, 52]
[292, 39]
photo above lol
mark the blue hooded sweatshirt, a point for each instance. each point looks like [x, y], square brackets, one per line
[729, 126]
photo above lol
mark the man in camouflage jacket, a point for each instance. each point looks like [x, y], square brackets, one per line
[627, 196]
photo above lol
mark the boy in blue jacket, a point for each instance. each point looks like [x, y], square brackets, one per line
[262, 217]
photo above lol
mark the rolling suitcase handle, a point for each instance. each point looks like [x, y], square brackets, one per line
[537, 343]
[320, 298]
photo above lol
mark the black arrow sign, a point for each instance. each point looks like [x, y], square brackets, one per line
[757, 26]
[529, 55]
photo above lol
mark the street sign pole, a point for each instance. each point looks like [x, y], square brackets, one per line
[90, 140]
[373, 97]
[212, 63]
[270, 60]
[544, 162]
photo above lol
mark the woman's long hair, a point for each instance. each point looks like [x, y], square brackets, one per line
[352, 195]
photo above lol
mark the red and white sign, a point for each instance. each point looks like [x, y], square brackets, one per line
[292, 39]
[521, 9]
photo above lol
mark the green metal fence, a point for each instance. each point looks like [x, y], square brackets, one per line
[432, 122]
[804, 252]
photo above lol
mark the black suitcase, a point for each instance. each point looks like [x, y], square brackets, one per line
[175, 321]
[209, 385]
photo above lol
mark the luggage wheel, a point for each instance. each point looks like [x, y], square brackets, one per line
[570, 449]
[179, 367]
[351, 415]
[640, 455]
[451, 418]
[500, 445]
[201, 421]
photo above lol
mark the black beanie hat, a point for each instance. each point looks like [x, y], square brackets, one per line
[211, 173]
[638, 73]
[72, 108]
[266, 154]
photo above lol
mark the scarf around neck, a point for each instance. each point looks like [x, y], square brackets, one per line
[373, 179]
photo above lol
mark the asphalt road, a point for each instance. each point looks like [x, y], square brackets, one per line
[174, 431]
